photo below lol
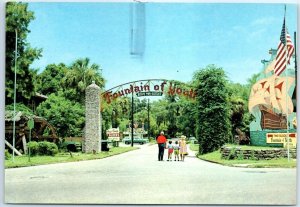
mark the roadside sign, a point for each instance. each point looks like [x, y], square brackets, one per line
[30, 123]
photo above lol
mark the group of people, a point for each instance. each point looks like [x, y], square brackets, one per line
[179, 148]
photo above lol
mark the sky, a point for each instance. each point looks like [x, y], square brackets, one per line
[179, 39]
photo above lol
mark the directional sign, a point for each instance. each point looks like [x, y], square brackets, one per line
[30, 123]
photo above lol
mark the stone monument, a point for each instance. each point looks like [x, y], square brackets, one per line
[92, 133]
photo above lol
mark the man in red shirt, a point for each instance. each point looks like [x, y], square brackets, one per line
[161, 141]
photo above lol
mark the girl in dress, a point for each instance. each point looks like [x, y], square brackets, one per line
[183, 148]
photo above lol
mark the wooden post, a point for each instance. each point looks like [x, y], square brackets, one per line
[14, 149]
[24, 144]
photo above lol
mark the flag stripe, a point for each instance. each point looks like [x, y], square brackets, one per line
[285, 51]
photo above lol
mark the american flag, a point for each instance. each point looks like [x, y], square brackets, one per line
[285, 51]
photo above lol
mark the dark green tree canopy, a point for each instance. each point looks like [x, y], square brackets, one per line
[50, 80]
[67, 116]
[212, 117]
[79, 76]
[17, 20]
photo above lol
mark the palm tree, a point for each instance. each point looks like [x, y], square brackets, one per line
[80, 75]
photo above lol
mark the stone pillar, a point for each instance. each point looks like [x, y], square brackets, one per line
[92, 133]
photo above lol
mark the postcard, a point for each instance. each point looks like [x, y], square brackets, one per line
[150, 103]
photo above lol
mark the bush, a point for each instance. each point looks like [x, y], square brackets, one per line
[34, 148]
[53, 149]
[7, 155]
[47, 148]
[43, 148]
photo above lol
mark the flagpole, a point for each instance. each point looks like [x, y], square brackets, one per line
[15, 83]
[295, 43]
[286, 88]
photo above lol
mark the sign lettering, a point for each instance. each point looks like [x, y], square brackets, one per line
[281, 138]
[145, 88]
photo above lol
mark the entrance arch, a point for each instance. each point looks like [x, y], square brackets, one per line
[139, 88]
[149, 87]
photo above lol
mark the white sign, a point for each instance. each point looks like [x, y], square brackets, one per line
[113, 134]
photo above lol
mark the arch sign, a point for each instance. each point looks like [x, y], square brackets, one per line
[149, 87]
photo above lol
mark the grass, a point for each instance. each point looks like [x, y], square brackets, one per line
[274, 163]
[22, 161]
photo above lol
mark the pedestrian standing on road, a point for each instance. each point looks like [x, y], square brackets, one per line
[161, 142]
[176, 150]
[183, 148]
[170, 150]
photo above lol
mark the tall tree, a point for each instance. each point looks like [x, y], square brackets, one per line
[186, 114]
[238, 94]
[17, 21]
[50, 80]
[213, 121]
[67, 116]
[81, 75]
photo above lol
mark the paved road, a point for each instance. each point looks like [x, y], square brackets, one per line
[137, 177]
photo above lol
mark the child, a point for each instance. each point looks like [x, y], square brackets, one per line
[176, 150]
[170, 151]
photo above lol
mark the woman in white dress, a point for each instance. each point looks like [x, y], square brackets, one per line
[182, 147]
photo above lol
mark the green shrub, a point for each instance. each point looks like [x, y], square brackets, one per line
[52, 149]
[34, 148]
[47, 148]
[7, 155]
[42, 148]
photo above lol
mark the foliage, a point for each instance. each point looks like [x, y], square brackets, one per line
[47, 148]
[252, 80]
[115, 114]
[159, 108]
[65, 87]
[34, 148]
[239, 114]
[186, 117]
[212, 117]
[17, 21]
[66, 116]
[19, 107]
[42, 148]
[50, 80]
[7, 155]
[79, 76]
